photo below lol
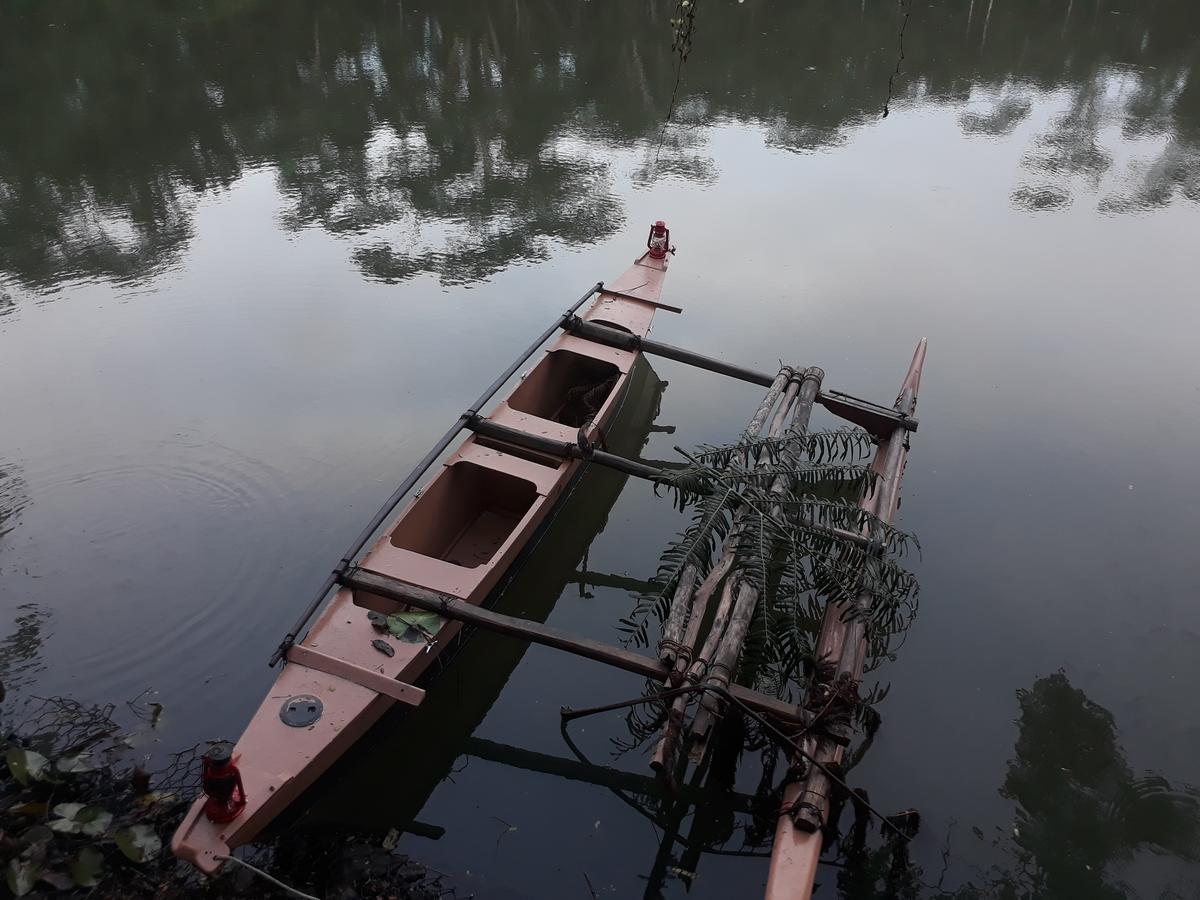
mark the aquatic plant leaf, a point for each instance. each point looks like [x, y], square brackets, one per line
[67, 823]
[95, 821]
[75, 818]
[21, 875]
[75, 764]
[415, 625]
[87, 869]
[26, 765]
[139, 842]
[788, 518]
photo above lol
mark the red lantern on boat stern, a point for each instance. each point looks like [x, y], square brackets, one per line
[659, 240]
[222, 785]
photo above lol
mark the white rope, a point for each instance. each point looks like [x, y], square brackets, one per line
[275, 881]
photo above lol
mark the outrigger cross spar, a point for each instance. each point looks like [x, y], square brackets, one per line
[440, 560]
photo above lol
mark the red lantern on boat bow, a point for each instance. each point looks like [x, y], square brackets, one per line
[222, 784]
[659, 240]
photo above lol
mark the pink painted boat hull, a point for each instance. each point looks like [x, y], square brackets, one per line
[458, 536]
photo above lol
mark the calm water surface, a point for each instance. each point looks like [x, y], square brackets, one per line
[254, 258]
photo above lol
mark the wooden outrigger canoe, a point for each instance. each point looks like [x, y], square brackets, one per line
[457, 537]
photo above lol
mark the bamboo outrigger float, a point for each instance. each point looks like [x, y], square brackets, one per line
[445, 554]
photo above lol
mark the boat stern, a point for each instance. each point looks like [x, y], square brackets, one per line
[199, 841]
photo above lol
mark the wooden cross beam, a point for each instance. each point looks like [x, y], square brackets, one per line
[537, 633]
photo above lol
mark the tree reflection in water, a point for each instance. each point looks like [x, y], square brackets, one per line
[1081, 811]
[21, 648]
[455, 139]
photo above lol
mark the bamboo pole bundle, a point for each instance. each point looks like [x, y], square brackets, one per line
[683, 599]
[727, 633]
[683, 647]
[724, 663]
[699, 664]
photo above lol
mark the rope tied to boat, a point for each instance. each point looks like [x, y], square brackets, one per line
[583, 438]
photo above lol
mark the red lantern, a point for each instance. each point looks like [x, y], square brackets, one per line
[659, 240]
[222, 785]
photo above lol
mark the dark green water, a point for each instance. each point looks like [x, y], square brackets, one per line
[254, 258]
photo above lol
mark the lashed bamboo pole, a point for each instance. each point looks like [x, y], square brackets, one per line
[725, 610]
[662, 760]
[700, 660]
[722, 668]
[723, 646]
[796, 851]
[685, 652]
[683, 598]
[754, 429]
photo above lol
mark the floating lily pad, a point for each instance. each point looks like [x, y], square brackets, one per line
[21, 875]
[383, 647]
[139, 842]
[67, 822]
[75, 764]
[88, 867]
[75, 818]
[26, 765]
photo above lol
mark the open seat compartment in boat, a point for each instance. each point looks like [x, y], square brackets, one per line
[565, 387]
[465, 515]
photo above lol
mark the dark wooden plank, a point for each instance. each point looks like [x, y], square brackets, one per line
[612, 337]
[879, 421]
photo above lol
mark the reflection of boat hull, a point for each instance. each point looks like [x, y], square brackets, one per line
[473, 681]
[458, 536]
